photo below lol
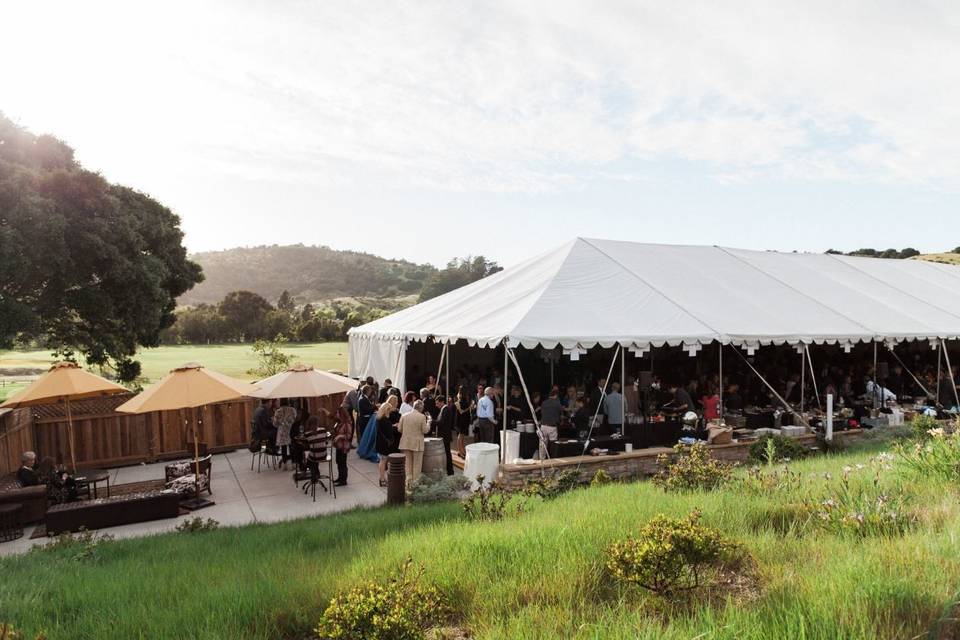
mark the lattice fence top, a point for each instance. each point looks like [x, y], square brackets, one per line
[88, 407]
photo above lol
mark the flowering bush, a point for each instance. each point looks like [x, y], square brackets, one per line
[922, 425]
[853, 509]
[671, 555]
[759, 481]
[936, 456]
[404, 608]
[691, 469]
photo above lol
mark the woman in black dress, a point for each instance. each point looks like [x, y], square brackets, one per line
[388, 438]
[465, 406]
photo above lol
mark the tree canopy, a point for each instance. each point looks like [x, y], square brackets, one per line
[459, 272]
[85, 266]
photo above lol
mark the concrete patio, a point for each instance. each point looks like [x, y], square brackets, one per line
[242, 496]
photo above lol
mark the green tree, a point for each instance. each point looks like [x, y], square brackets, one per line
[245, 315]
[84, 265]
[270, 357]
[285, 302]
[459, 272]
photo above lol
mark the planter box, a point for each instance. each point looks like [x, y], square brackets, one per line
[112, 512]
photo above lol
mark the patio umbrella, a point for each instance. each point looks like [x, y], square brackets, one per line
[65, 381]
[303, 381]
[189, 387]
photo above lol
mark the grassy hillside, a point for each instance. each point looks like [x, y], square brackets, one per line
[944, 258]
[538, 575]
[309, 273]
[232, 359]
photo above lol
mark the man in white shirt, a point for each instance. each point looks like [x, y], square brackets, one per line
[486, 417]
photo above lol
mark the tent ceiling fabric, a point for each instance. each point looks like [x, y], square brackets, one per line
[609, 292]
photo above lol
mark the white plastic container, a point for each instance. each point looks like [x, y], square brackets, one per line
[512, 445]
[483, 459]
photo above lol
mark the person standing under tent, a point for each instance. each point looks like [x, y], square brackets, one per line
[365, 408]
[632, 396]
[550, 412]
[413, 427]
[385, 390]
[515, 406]
[486, 417]
[387, 437]
[711, 403]
[681, 401]
[597, 396]
[430, 407]
[446, 421]
[613, 409]
[465, 407]
[407, 405]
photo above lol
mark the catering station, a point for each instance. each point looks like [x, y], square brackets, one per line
[694, 343]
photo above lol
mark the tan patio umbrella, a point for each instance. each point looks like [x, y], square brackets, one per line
[189, 387]
[303, 381]
[66, 382]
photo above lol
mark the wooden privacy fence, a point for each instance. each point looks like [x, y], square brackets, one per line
[103, 437]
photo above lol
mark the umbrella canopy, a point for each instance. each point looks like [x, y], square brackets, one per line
[65, 381]
[303, 381]
[187, 387]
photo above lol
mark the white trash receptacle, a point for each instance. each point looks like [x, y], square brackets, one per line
[483, 459]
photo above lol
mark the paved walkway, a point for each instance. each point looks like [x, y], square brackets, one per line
[243, 496]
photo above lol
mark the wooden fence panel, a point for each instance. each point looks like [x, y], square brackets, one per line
[16, 436]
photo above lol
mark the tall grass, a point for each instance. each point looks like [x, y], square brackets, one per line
[539, 575]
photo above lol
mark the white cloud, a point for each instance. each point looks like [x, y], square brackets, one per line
[495, 97]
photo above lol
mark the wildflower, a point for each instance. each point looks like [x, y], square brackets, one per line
[936, 433]
[859, 466]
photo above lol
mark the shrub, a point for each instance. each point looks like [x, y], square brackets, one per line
[491, 503]
[198, 525]
[8, 632]
[600, 478]
[936, 457]
[759, 481]
[922, 426]
[552, 486]
[776, 448]
[691, 469]
[671, 555]
[403, 608]
[429, 490]
[80, 546]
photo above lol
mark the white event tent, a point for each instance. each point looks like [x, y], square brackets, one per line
[637, 296]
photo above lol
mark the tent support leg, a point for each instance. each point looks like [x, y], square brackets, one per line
[939, 369]
[953, 383]
[803, 374]
[720, 379]
[533, 413]
[503, 402]
[596, 413]
[813, 378]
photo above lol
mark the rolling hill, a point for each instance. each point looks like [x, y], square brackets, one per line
[309, 273]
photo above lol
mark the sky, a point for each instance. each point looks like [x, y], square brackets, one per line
[427, 130]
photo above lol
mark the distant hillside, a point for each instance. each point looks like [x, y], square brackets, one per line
[944, 258]
[309, 273]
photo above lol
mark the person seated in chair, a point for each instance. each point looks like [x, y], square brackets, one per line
[27, 475]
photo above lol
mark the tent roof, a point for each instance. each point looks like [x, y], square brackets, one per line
[607, 292]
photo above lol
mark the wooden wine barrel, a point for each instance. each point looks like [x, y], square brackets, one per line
[434, 459]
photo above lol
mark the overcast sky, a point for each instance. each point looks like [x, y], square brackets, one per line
[426, 130]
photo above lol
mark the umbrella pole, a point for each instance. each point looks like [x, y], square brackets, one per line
[197, 502]
[73, 458]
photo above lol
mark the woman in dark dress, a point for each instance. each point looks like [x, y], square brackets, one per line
[464, 406]
[388, 438]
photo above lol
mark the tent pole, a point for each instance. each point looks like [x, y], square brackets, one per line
[720, 379]
[939, 369]
[551, 371]
[953, 383]
[526, 393]
[503, 402]
[917, 381]
[70, 439]
[803, 374]
[769, 386]
[623, 392]
[443, 357]
[596, 413]
[876, 382]
[813, 378]
[198, 420]
[447, 373]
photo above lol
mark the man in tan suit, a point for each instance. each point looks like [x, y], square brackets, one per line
[413, 427]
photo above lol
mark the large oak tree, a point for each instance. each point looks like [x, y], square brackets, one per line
[85, 265]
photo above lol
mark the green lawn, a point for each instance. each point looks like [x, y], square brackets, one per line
[231, 359]
[539, 575]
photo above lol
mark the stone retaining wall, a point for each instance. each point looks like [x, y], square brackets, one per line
[636, 464]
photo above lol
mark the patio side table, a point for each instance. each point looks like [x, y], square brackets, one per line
[11, 526]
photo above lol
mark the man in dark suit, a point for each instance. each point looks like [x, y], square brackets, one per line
[385, 391]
